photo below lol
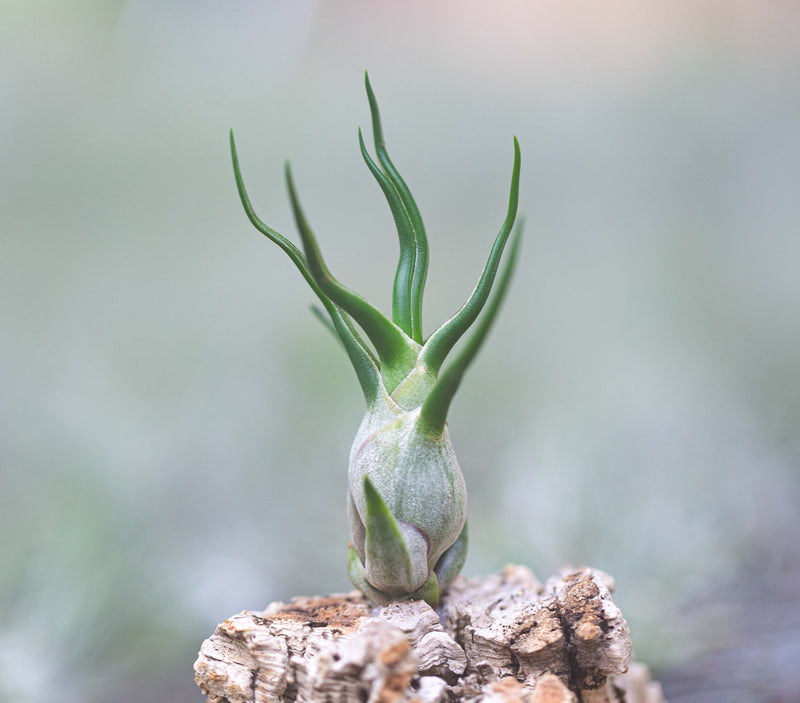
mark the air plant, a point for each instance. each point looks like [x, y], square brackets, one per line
[407, 501]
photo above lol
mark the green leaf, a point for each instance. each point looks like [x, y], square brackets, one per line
[452, 561]
[397, 352]
[401, 293]
[429, 592]
[358, 577]
[442, 341]
[388, 562]
[420, 239]
[436, 406]
[360, 355]
[317, 312]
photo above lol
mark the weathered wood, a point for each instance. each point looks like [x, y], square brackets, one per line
[502, 638]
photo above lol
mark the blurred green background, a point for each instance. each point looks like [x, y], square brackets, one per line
[174, 424]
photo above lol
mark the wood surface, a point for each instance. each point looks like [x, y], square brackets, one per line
[502, 638]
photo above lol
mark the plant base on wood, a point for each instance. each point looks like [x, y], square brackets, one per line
[502, 638]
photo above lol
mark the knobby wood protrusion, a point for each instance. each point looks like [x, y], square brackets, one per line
[505, 638]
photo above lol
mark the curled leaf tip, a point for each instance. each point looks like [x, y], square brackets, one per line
[442, 340]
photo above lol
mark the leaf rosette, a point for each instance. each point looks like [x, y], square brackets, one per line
[407, 500]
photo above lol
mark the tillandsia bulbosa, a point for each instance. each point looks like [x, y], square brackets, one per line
[407, 501]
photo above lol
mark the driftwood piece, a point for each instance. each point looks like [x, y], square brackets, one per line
[499, 639]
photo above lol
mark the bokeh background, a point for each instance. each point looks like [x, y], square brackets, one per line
[174, 424]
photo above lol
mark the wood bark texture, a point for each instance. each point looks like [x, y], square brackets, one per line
[501, 639]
